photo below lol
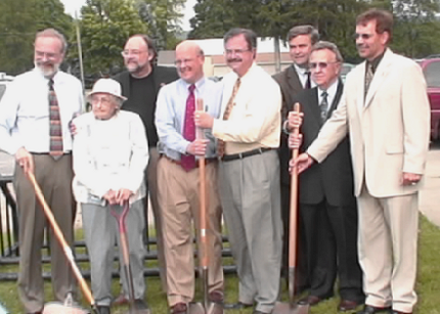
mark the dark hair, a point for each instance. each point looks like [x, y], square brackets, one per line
[150, 44]
[249, 35]
[383, 18]
[304, 30]
[321, 45]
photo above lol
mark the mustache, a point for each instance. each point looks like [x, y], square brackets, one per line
[234, 60]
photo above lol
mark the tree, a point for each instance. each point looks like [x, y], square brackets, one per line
[19, 22]
[105, 27]
[163, 20]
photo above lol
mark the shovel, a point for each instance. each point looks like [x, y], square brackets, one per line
[206, 307]
[292, 307]
[120, 218]
[67, 307]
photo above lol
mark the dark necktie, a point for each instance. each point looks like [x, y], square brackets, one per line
[55, 129]
[226, 114]
[188, 162]
[324, 106]
[368, 78]
[308, 83]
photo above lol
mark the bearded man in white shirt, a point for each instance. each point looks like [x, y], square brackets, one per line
[34, 117]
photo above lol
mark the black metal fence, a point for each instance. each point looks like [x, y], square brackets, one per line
[9, 240]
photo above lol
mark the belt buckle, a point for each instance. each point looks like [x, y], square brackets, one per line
[240, 155]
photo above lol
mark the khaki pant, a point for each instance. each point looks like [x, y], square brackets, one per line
[179, 202]
[55, 180]
[387, 247]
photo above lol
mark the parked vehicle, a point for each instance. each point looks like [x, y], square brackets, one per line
[431, 70]
[346, 68]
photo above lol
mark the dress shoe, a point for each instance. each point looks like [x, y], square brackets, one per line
[179, 308]
[310, 300]
[121, 300]
[398, 312]
[237, 306]
[216, 297]
[103, 309]
[368, 309]
[140, 304]
[348, 305]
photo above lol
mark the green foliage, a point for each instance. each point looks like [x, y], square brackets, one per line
[105, 26]
[163, 20]
[415, 29]
[19, 22]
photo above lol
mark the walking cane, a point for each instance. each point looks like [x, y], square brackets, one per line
[207, 307]
[292, 307]
[56, 307]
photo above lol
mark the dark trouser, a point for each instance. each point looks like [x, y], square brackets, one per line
[331, 236]
[55, 180]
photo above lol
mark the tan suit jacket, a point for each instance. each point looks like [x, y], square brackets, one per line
[389, 130]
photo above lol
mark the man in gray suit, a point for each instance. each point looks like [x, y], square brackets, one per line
[293, 80]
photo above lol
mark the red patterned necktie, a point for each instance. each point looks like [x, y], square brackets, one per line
[188, 162]
[55, 129]
[228, 110]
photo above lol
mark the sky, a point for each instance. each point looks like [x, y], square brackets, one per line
[74, 5]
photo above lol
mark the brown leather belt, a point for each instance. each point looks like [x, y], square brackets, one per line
[177, 162]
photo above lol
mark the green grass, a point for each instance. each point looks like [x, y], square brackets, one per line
[428, 283]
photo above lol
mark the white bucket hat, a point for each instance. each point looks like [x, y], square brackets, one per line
[108, 86]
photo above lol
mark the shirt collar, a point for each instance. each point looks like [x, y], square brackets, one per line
[331, 90]
[375, 62]
[300, 70]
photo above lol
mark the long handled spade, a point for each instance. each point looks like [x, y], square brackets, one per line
[292, 307]
[207, 307]
[55, 307]
[126, 257]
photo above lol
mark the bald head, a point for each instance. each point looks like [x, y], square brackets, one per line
[189, 61]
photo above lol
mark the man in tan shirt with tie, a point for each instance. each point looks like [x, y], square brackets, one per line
[249, 133]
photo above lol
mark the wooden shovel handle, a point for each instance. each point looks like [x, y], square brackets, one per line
[293, 202]
[59, 235]
[202, 173]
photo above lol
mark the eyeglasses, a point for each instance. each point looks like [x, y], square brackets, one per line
[136, 53]
[363, 36]
[49, 55]
[322, 65]
[183, 61]
[100, 100]
[235, 51]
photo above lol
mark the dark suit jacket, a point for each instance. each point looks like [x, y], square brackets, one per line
[290, 86]
[333, 178]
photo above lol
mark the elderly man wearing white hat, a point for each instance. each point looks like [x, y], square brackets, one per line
[110, 153]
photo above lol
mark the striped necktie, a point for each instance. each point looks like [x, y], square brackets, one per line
[324, 106]
[228, 110]
[55, 128]
[368, 78]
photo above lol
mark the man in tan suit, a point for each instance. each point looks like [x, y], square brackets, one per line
[385, 111]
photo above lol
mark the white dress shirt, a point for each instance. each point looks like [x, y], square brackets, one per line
[24, 111]
[109, 155]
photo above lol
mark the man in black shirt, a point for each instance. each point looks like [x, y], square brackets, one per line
[140, 84]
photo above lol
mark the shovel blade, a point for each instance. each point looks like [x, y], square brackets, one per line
[59, 308]
[214, 308]
[135, 311]
[196, 308]
[286, 308]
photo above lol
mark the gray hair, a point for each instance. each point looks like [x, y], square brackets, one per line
[321, 45]
[51, 32]
[303, 30]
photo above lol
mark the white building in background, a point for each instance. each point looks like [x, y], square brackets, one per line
[215, 61]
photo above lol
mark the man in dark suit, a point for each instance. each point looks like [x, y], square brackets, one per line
[140, 84]
[327, 203]
[293, 80]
